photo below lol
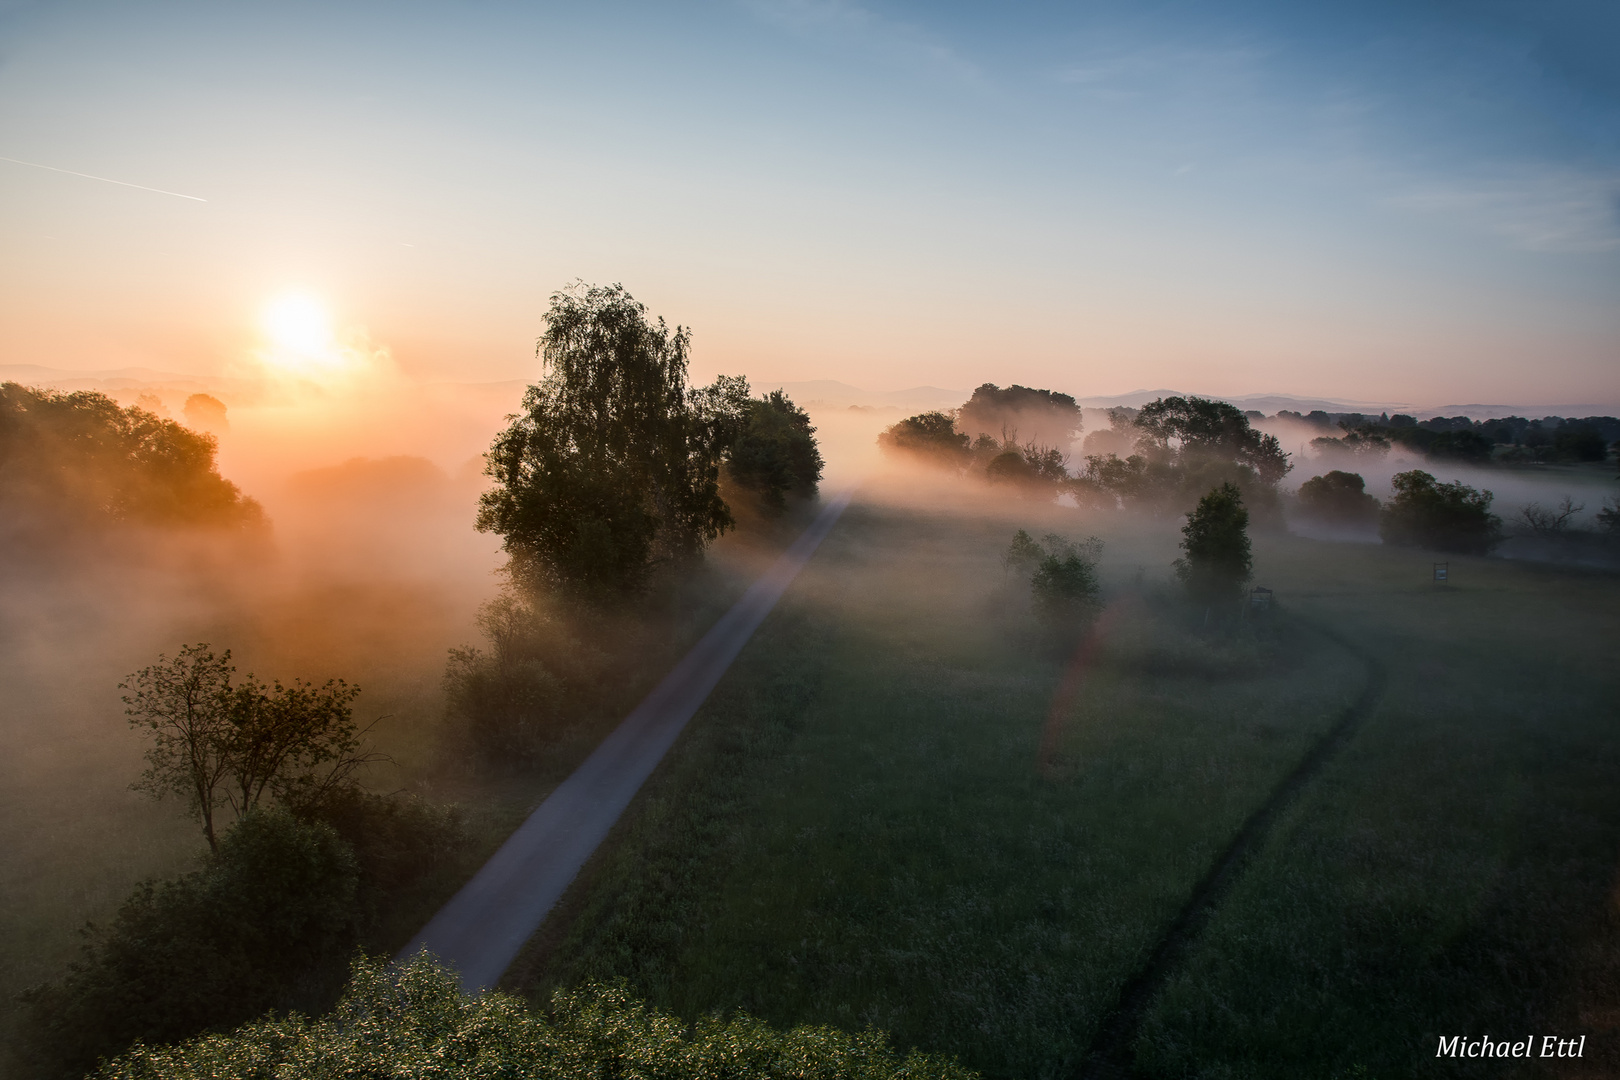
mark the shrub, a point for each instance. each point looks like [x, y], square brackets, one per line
[414, 1021]
[252, 930]
[1447, 517]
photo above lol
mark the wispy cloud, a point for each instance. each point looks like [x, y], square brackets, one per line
[901, 42]
[1535, 210]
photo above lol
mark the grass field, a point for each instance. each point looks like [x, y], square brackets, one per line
[861, 826]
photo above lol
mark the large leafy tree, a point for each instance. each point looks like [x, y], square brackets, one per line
[775, 452]
[1338, 497]
[612, 466]
[1195, 429]
[1447, 517]
[1021, 413]
[1215, 541]
[929, 436]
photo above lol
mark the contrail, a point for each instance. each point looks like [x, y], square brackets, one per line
[103, 179]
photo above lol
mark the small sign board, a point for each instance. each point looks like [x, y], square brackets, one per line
[1440, 571]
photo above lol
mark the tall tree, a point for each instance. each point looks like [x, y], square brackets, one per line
[1215, 541]
[611, 467]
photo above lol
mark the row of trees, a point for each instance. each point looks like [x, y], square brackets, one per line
[81, 460]
[1174, 450]
[1459, 438]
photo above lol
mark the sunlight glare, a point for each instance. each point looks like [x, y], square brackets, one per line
[299, 323]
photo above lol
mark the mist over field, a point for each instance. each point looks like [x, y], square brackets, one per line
[849, 537]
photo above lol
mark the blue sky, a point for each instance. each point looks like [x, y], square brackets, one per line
[1374, 201]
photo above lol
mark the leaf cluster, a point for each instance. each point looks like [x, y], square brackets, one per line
[930, 437]
[414, 1021]
[1062, 573]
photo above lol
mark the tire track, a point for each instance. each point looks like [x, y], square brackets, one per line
[1110, 1055]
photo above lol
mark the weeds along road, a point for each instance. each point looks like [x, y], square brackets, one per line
[480, 931]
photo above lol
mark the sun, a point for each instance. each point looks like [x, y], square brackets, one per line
[299, 324]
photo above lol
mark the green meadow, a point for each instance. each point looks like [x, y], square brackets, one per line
[913, 806]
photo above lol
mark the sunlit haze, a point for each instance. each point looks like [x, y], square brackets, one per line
[1379, 203]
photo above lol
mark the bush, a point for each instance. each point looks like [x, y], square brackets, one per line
[414, 1021]
[1338, 497]
[256, 928]
[1446, 517]
[1063, 574]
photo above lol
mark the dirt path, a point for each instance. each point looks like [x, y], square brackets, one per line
[480, 931]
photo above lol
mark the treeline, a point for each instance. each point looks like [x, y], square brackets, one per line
[80, 461]
[1508, 440]
[1167, 454]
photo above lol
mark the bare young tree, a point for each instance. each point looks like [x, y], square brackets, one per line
[234, 747]
[1550, 522]
[185, 706]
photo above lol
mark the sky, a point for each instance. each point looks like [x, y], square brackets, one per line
[1372, 202]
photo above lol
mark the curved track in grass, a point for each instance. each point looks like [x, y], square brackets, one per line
[483, 927]
[1110, 1054]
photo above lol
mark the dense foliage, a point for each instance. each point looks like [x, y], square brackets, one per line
[1338, 498]
[1020, 414]
[1446, 517]
[930, 437]
[612, 467]
[775, 453]
[218, 946]
[82, 459]
[1193, 430]
[1461, 438]
[414, 1021]
[1216, 560]
[268, 922]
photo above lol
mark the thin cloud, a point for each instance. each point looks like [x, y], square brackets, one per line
[900, 41]
[1548, 211]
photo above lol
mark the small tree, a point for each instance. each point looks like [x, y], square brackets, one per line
[1215, 539]
[1550, 523]
[219, 745]
[1448, 517]
[775, 453]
